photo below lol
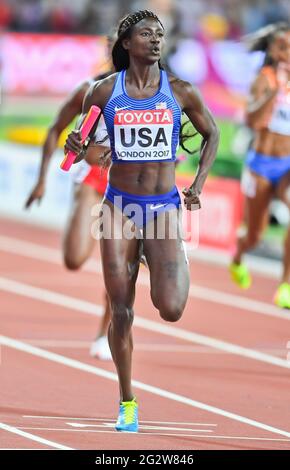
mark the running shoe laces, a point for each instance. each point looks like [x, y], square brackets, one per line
[128, 416]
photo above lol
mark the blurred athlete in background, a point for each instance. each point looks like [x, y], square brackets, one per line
[90, 184]
[267, 171]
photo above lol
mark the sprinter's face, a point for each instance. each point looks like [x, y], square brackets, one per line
[146, 40]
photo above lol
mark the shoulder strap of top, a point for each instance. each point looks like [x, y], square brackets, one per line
[117, 88]
[165, 86]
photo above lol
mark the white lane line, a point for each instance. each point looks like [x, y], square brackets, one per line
[263, 267]
[53, 357]
[32, 437]
[141, 426]
[86, 307]
[237, 301]
[150, 347]
[52, 255]
[30, 249]
[149, 434]
[64, 418]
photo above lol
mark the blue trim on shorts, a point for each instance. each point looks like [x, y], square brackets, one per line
[146, 207]
[270, 167]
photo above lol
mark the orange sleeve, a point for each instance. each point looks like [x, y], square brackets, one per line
[271, 76]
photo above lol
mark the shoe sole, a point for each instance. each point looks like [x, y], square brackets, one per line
[127, 430]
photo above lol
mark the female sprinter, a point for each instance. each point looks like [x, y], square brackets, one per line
[267, 172]
[142, 107]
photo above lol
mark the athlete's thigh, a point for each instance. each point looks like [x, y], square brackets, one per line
[283, 189]
[120, 255]
[78, 230]
[258, 193]
[166, 257]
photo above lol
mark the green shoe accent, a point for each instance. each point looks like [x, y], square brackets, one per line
[282, 296]
[128, 416]
[240, 275]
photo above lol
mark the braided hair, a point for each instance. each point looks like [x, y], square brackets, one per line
[261, 39]
[120, 55]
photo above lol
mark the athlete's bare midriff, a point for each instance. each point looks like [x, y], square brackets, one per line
[143, 178]
[273, 144]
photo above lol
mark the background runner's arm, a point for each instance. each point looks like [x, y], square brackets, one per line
[74, 142]
[69, 110]
[260, 101]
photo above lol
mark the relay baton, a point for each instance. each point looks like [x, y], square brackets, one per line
[85, 129]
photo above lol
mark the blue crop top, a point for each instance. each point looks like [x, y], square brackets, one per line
[143, 130]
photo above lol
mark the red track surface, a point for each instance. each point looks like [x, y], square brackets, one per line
[46, 398]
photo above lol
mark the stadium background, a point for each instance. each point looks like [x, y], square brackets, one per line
[48, 47]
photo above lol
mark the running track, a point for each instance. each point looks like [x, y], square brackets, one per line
[217, 379]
